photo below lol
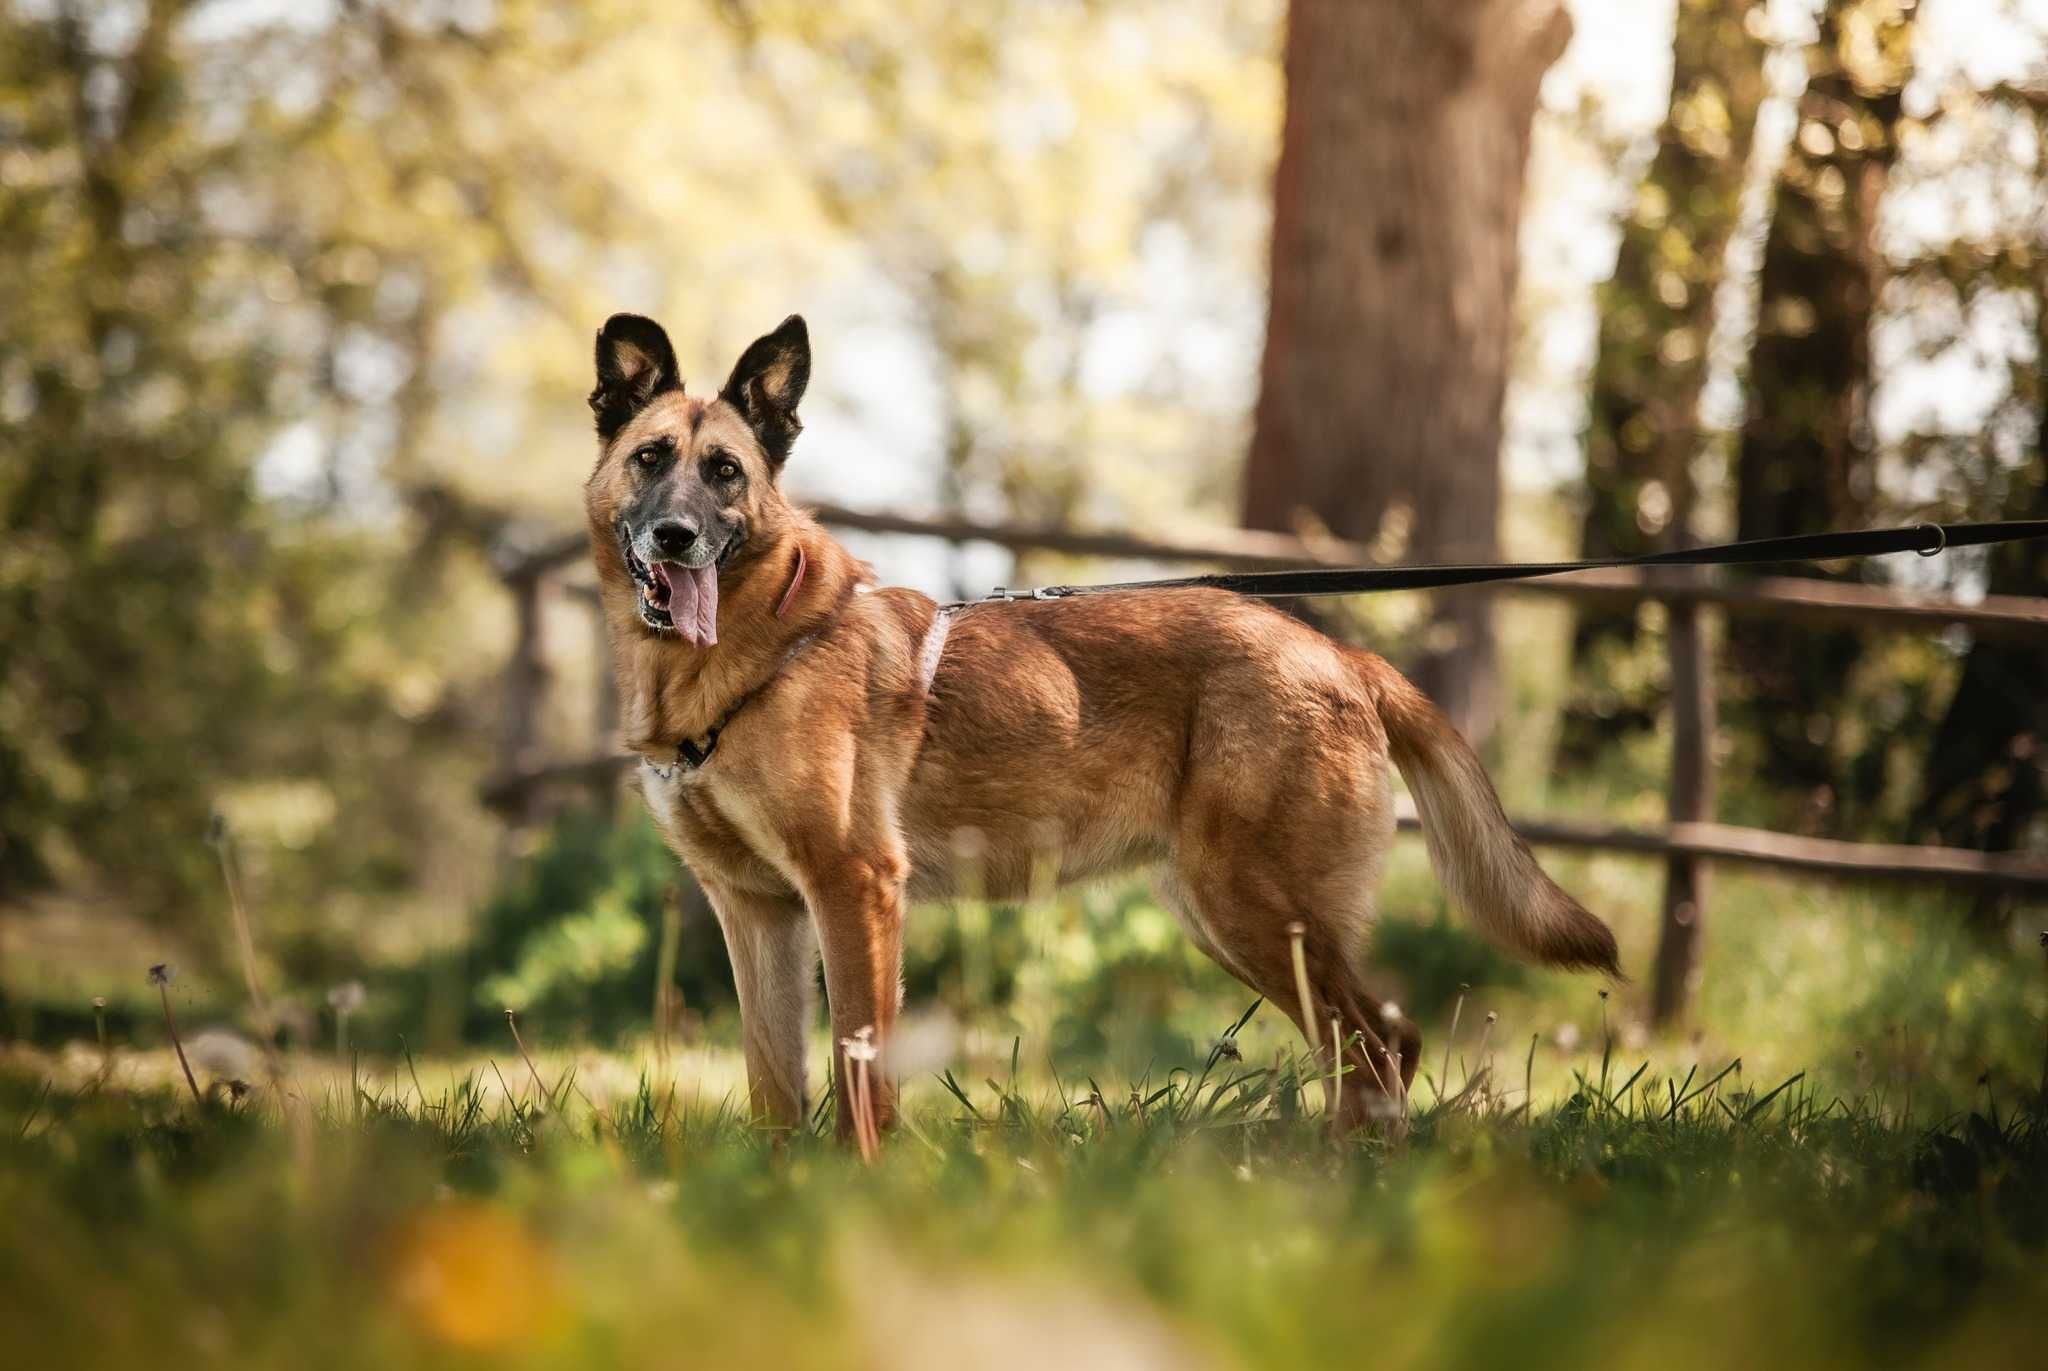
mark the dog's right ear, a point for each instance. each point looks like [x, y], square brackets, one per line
[635, 363]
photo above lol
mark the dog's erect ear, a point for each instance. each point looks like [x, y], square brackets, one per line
[768, 382]
[634, 364]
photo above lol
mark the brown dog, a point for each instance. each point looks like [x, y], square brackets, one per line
[812, 744]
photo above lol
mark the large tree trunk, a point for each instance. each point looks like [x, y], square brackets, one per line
[1806, 460]
[1656, 313]
[1396, 209]
[1986, 777]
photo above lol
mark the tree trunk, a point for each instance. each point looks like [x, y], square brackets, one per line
[1986, 780]
[1396, 208]
[1806, 460]
[1656, 313]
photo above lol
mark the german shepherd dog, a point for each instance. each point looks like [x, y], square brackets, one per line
[813, 744]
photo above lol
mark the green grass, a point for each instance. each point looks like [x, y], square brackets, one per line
[1198, 1216]
[1889, 1204]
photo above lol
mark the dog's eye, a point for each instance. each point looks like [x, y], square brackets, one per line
[726, 469]
[648, 456]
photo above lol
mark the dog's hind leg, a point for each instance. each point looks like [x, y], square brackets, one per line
[1299, 844]
[1249, 937]
[774, 955]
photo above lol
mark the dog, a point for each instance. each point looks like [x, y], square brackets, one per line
[813, 746]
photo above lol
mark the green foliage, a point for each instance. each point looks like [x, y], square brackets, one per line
[221, 580]
[1437, 961]
[570, 941]
[295, 335]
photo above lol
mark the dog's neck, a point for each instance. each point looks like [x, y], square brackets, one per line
[671, 690]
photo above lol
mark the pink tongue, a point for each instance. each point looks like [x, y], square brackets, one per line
[692, 600]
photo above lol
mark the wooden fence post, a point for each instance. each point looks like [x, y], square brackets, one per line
[525, 684]
[604, 786]
[1691, 800]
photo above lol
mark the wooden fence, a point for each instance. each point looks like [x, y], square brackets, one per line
[1687, 843]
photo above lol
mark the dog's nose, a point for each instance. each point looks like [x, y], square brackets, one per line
[672, 537]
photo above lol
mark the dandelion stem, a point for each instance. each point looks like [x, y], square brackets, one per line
[163, 990]
[1336, 1070]
[1295, 933]
[512, 1022]
[1443, 1079]
[856, 1052]
[245, 941]
[1485, 1036]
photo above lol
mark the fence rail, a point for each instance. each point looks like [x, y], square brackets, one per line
[1686, 842]
[1784, 597]
[506, 792]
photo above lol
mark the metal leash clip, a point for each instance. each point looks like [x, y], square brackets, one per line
[1007, 596]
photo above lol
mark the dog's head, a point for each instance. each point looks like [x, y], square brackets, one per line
[686, 489]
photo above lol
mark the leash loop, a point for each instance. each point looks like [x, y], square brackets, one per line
[1941, 541]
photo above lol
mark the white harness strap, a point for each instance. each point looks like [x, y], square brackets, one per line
[934, 647]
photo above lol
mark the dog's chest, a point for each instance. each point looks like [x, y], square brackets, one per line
[712, 824]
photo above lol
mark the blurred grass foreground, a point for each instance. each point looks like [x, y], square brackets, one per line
[1198, 1217]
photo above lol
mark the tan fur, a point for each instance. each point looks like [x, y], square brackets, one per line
[1237, 748]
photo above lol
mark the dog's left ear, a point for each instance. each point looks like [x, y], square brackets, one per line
[768, 382]
[635, 363]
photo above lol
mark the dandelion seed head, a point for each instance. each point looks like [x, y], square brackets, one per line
[162, 974]
[346, 998]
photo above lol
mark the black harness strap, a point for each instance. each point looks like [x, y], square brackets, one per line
[692, 753]
[1925, 539]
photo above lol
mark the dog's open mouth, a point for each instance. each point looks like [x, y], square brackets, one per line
[675, 598]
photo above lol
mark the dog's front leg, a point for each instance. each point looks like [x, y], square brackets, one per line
[774, 965]
[857, 903]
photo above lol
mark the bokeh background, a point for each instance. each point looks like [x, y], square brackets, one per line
[294, 337]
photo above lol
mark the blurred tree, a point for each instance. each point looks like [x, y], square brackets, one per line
[1986, 776]
[296, 328]
[234, 238]
[1395, 212]
[1806, 458]
[1656, 313]
[1984, 782]
[1014, 192]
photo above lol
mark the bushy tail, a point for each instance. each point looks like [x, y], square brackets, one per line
[1485, 867]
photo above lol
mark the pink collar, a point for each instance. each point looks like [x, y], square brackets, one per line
[795, 581]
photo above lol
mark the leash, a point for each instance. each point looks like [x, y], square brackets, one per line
[1929, 540]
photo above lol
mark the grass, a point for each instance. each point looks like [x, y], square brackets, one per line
[1843, 1162]
[1198, 1216]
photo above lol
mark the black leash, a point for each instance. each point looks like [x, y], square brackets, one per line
[1926, 539]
